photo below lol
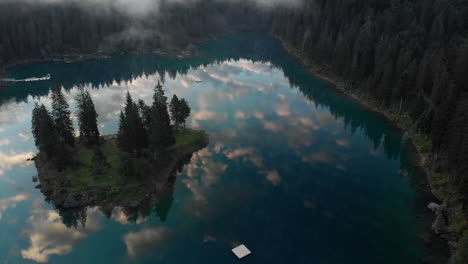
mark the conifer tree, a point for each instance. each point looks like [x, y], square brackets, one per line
[61, 116]
[145, 113]
[87, 118]
[161, 135]
[122, 137]
[43, 130]
[174, 108]
[132, 132]
[184, 111]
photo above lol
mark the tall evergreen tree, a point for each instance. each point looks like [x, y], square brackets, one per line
[184, 111]
[61, 116]
[145, 113]
[132, 134]
[174, 109]
[87, 118]
[161, 135]
[43, 130]
[122, 136]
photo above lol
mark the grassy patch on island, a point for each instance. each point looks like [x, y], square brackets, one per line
[82, 175]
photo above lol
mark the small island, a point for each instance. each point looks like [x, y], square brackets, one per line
[126, 169]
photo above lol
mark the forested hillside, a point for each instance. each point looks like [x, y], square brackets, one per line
[410, 56]
[29, 30]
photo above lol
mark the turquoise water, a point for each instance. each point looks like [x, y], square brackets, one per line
[294, 170]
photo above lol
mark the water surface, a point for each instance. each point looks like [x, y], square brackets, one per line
[294, 170]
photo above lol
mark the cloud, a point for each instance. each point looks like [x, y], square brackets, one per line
[119, 216]
[146, 239]
[49, 236]
[240, 115]
[319, 157]
[11, 202]
[10, 160]
[209, 115]
[23, 137]
[4, 141]
[342, 142]
[272, 176]
[245, 154]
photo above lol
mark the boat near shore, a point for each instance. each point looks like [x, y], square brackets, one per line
[32, 79]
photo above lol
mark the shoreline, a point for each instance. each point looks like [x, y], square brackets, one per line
[69, 57]
[423, 162]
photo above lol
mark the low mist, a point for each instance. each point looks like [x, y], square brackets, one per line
[143, 7]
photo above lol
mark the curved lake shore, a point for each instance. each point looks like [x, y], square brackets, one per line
[289, 158]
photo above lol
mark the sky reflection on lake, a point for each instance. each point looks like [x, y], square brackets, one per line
[294, 170]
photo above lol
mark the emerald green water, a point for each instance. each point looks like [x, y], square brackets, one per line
[294, 170]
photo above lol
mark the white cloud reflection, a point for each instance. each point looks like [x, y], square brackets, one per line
[11, 202]
[10, 160]
[48, 236]
[148, 238]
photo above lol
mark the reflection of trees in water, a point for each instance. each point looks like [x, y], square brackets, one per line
[259, 49]
[123, 69]
[157, 200]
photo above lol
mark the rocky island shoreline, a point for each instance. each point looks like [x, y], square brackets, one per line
[65, 189]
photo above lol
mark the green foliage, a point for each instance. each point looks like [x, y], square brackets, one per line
[126, 166]
[189, 137]
[459, 221]
[115, 190]
[439, 180]
[99, 162]
[180, 110]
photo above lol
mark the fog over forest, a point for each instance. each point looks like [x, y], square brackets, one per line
[144, 7]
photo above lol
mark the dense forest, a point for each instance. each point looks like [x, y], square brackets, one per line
[30, 30]
[408, 56]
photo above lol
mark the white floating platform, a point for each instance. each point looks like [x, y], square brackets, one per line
[241, 251]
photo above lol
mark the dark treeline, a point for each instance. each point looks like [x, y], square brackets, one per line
[53, 132]
[409, 56]
[29, 30]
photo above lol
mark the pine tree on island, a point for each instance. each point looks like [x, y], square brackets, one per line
[174, 108]
[43, 130]
[184, 111]
[132, 135]
[61, 116]
[180, 111]
[87, 118]
[142, 130]
[161, 135]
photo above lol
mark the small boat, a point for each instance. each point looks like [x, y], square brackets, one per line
[32, 79]
[198, 81]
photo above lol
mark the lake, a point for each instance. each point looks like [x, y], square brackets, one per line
[296, 171]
